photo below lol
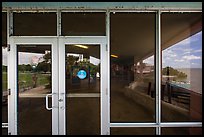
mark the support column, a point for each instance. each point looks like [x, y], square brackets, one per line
[158, 71]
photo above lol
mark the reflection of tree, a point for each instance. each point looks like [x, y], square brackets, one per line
[70, 61]
[173, 72]
[93, 69]
[24, 67]
[73, 61]
[45, 65]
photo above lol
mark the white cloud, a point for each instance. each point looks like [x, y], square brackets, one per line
[4, 56]
[192, 51]
[188, 40]
[187, 52]
[199, 50]
[179, 60]
[191, 57]
[149, 60]
[169, 53]
[184, 42]
[173, 55]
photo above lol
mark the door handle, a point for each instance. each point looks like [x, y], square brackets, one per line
[46, 101]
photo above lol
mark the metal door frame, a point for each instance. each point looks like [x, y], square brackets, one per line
[104, 96]
[12, 79]
[58, 79]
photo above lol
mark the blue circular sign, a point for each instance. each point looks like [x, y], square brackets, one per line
[81, 74]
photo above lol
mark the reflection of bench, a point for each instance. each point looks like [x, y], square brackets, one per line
[182, 97]
[152, 91]
[179, 94]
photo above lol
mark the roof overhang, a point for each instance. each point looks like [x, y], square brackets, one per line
[102, 5]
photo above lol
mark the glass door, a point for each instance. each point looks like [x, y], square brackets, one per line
[33, 84]
[83, 82]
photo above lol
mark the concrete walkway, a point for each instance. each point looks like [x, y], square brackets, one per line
[83, 115]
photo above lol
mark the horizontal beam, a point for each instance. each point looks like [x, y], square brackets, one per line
[163, 124]
[103, 5]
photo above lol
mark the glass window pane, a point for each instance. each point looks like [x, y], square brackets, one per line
[4, 28]
[182, 66]
[34, 83]
[4, 85]
[83, 78]
[83, 24]
[4, 73]
[181, 131]
[82, 59]
[132, 131]
[132, 72]
[4, 90]
[35, 24]
[4, 131]
[83, 116]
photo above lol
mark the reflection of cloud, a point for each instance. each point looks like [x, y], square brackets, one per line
[187, 52]
[179, 60]
[169, 53]
[184, 42]
[183, 53]
[191, 57]
[173, 55]
[26, 58]
[189, 40]
[149, 60]
[192, 51]
[4, 56]
[166, 58]
[196, 51]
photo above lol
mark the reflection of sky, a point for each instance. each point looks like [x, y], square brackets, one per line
[24, 58]
[29, 58]
[185, 54]
[94, 60]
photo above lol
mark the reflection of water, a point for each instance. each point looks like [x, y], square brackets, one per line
[182, 84]
[193, 80]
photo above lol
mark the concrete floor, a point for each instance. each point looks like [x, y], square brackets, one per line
[83, 116]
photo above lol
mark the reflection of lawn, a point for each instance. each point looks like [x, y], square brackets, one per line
[25, 79]
[4, 80]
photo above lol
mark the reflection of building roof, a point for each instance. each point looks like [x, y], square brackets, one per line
[167, 76]
[147, 69]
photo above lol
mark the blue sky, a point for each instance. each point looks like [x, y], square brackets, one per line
[185, 54]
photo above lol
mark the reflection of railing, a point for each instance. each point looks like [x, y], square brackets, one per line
[181, 97]
[189, 100]
[178, 95]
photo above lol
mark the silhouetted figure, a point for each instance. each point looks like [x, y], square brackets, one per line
[34, 78]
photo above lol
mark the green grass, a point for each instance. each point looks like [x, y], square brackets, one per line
[4, 80]
[25, 80]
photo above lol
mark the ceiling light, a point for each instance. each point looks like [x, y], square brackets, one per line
[81, 46]
[114, 56]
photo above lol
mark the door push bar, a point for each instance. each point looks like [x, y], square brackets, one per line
[46, 101]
